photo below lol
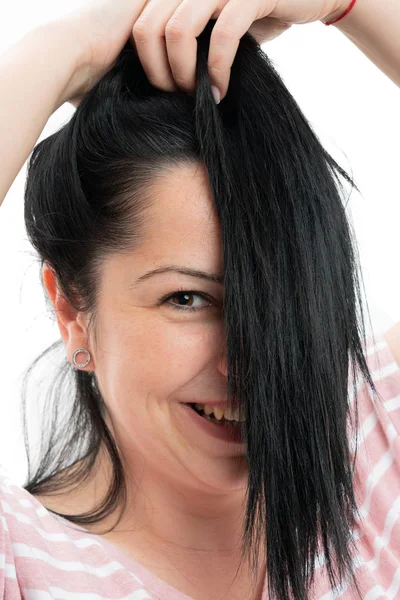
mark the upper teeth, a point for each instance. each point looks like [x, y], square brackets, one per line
[227, 413]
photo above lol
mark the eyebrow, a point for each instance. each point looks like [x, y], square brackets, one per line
[213, 277]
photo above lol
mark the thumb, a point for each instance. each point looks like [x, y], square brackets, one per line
[268, 28]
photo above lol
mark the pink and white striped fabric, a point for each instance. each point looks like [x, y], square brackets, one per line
[42, 556]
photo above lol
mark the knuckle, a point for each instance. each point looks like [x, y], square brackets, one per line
[181, 82]
[174, 32]
[141, 30]
[222, 33]
[216, 70]
[218, 62]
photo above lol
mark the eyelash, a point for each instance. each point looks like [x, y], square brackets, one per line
[183, 291]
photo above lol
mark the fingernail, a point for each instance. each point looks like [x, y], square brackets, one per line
[216, 94]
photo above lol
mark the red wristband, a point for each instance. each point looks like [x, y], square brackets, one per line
[343, 15]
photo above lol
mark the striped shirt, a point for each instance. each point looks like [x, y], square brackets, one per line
[43, 556]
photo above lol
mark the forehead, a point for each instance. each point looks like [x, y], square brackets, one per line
[182, 221]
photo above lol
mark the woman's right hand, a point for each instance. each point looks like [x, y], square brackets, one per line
[164, 33]
[101, 28]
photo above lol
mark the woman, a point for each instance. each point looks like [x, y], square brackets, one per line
[201, 267]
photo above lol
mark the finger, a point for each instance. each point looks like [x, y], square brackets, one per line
[187, 22]
[233, 22]
[148, 34]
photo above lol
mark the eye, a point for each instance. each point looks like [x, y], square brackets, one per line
[184, 300]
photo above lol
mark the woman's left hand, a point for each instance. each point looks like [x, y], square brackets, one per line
[166, 30]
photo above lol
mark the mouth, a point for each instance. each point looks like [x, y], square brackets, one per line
[222, 428]
[218, 420]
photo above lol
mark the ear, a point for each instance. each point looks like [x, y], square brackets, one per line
[71, 323]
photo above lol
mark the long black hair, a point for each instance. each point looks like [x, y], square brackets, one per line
[293, 312]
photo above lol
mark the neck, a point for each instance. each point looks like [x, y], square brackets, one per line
[186, 538]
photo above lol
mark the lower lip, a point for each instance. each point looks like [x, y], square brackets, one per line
[221, 432]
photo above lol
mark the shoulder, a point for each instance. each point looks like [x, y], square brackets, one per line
[377, 479]
[392, 337]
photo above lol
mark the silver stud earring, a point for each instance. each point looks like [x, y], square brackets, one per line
[81, 365]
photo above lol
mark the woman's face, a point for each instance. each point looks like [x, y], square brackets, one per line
[151, 356]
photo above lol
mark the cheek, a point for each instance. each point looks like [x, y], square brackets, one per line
[152, 357]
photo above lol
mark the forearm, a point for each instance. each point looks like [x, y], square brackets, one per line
[374, 27]
[34, 77]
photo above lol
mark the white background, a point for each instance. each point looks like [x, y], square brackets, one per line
[352, 106]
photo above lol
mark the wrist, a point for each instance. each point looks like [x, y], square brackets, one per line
[57, 47]
[338, 12]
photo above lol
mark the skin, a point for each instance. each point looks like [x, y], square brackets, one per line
[185, 489]
[164, 33]
[82, 49]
